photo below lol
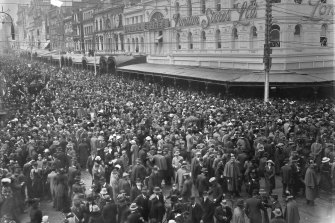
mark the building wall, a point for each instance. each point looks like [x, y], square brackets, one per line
[234, 36]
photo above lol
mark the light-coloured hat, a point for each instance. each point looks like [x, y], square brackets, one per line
[125, 174]
[325, 160]
[212, 179]
[159, 137]
[133, 142]
[104, 191]
[118, 166]
[133, 207]
[277, 212]
[270, 161]
[148, 138]
[6, 180]
[45, 219]
[95, 208]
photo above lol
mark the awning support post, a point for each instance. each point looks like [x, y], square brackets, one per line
[227, 89]
[174, 82]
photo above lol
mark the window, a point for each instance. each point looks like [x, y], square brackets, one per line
[137, 49]
[178, 46]
[100, 24]
[38, 32]
[116, 40]
[218, 39]
[253, 37]
[190, 41]
[142, 44]
[189, 8]
[297, 30]
[323, 35]
[177, 7]
[96, 25]
[275, 36]
[203, 6]
[122, 41]
[218, 5]
[203, 40]
[128, 44]
[234, 38]
[133, 44]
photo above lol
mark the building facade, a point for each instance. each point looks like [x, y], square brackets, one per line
[230, 34]
[108, 27]
[88, 28]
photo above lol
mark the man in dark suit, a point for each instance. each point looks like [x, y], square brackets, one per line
[202, 182]
[135, 190]
[253, 208]
[135, 216]
[109, 211]
[104, 184]
[187, 187]
[223, 213]
[142, 202]
[195, 211]
[286, 177]
[208, 209]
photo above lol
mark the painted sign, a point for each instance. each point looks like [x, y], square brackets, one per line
[321, 10]
[245, 12]
[153, 25]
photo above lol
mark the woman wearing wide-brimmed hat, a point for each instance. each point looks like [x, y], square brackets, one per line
[269, 174]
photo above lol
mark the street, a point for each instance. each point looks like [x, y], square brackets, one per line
[308, 214]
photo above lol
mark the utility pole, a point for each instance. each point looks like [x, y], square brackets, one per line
[267, 50]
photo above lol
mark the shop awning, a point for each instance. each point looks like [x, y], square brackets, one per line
[187, 72]
[235, 77]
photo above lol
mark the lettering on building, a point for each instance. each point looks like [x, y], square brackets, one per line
[321, 10]
[153, 25]
[245, 12]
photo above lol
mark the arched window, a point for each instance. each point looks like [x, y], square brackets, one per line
[102, 42]
[234, 38]
[189, 8]
[128, 44]
[218, 39]
[142, 44]
[177, 7]
[190, 41]
[275, 36]
[253, 37]
[122, 41]
[133, 44]
[178, 46]
[96, 25]
[137, 48]
[218, 5]
[100, 24]
[120, 21]
[116, 40]
[108, 23]
[203, 6]
[297, 30]
[323, 35]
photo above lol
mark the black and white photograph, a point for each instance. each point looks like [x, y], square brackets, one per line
[167, 111]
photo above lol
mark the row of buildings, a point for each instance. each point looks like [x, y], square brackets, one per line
[207, 33]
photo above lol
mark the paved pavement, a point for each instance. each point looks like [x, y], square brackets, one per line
[317, 214]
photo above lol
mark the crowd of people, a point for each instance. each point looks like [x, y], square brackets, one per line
[156, 153]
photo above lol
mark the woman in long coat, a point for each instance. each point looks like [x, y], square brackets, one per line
[310, 183]
[269, 174]
[61, 192]
[114, 183]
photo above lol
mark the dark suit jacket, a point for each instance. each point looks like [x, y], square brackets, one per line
[134, 218]
[195, 213]
[253, 209]
[187, 189]
[220, 213]
[286, 174]
[208, 209]
[124, 185]
[143, 203]
[109, 212]
[202, 183]
[134, 192]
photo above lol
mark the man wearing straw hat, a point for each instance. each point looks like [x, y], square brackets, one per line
[135, 216]
[278, 216]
